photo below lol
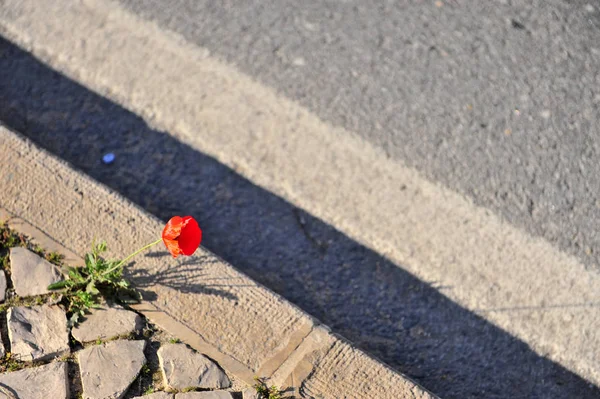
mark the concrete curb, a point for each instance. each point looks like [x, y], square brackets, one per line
[211, 306]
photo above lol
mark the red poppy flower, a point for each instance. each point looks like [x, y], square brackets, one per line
[182, 235]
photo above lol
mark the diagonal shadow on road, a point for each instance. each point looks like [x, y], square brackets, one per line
[386, 311]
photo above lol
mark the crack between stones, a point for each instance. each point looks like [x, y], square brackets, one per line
[312, 328]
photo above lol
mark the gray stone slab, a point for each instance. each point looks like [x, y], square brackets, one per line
[2, 286]
[157, 395]
[44, 382]
[250, 393]
[37, 333]
[107, 322]
[341, 371]
[205, 395]
[31, 274]
[108, 370]
[183, 368]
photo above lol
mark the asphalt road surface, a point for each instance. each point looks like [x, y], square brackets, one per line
[498, 100]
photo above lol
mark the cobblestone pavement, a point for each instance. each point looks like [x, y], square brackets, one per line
[113, 353]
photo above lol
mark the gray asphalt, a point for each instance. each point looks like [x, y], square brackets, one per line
[436, 87]
[497, 100]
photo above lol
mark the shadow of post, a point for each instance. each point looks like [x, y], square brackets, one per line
[361, 295]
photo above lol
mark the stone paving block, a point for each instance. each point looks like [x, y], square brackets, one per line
[183, 368]
[342, 371]
[157, 395]
[250, 393]
[205, 395]
[107, 322]
[31, 274]
[44, 382]
[108, 370]
[37, 333]
[3, 286]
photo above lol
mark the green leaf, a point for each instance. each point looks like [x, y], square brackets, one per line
[75, 275]
[85, 297]
[90, 261]
[101, 247]
[124, 284]
[59, 285]
[91, 288]
[101, 279]
[111, 264]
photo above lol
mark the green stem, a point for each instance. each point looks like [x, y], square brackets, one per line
[131, 256]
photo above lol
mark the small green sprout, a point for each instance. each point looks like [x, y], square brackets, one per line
[266, 392]
[85, 286]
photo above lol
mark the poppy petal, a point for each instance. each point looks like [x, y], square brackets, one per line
[190, 236]
[172, 247]
[172, 228]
